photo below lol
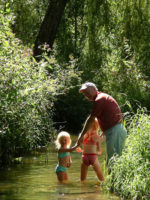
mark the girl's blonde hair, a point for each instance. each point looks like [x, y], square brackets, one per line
[59, 136]
[95, 126]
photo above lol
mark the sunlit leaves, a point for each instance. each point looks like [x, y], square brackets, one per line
[27, 92]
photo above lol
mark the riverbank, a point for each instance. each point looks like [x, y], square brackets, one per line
[130, 173]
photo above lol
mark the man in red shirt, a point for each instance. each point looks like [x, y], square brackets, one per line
[109, 116]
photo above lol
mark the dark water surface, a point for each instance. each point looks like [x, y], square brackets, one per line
[35, 179]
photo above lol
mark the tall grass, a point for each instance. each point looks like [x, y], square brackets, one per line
[130, 173]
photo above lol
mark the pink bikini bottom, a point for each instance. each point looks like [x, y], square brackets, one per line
[89, 158]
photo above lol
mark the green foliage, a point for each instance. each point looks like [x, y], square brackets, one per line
[131, 21]
[28, 91]
[72, 31]
[27, 18]
[112, 56]
[123, 79]
[111, 53]
[97, 16]
[130, 173]
[98, 34]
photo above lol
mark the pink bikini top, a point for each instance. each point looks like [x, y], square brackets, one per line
[88, 140]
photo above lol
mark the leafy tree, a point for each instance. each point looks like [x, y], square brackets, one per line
[49, 25]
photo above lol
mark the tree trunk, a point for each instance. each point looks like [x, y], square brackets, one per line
[49, 27]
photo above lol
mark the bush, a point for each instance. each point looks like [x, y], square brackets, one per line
[27, 92]
[130, 173]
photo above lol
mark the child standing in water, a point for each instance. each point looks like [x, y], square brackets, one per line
[91, 149]
[63, 143]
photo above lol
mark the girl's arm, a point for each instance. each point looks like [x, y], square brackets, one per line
[99, 149]
[69, 149]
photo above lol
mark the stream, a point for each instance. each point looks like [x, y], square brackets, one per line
[35, 179]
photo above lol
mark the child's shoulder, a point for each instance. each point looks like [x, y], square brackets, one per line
[60, 150]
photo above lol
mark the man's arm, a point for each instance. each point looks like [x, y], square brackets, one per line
[86, 127]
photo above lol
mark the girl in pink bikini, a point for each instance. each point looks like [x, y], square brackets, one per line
[91, 149]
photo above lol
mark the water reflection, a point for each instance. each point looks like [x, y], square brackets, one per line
[35, 179]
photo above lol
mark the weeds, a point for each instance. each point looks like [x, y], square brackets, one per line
[130, 173]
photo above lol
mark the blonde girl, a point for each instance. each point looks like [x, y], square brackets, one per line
[91, 149]
[63, 143]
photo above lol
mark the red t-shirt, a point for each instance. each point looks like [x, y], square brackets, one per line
[107, 110]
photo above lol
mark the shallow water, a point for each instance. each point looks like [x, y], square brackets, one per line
[35, 179]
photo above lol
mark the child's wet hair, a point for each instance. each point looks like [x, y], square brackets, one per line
[59, 136]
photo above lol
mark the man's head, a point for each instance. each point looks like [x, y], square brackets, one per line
[89, 90]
